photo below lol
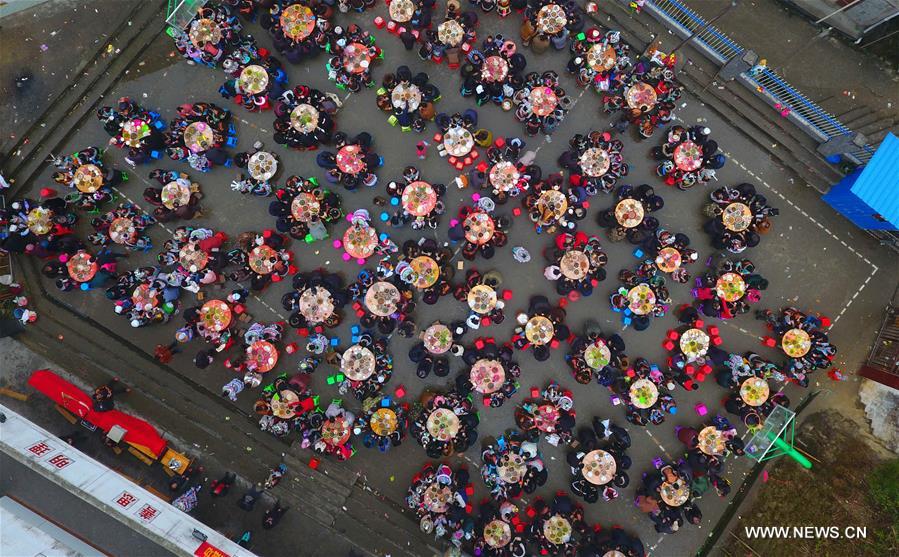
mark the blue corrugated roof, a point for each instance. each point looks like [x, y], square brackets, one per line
[878, 185]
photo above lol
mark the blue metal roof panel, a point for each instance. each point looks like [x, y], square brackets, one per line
[878, 185]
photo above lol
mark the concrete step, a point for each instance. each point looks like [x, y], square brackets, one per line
[398, 529]
[317, 493]
[80, 100]
[881, 125]
[874, 117]
[853, 113]
[875, 138]
[793, 144]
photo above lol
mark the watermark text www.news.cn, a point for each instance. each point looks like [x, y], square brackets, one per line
[806, 532]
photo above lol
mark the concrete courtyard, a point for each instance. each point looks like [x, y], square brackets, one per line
[813, 259]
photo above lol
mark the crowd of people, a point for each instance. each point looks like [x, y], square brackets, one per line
[382, 299]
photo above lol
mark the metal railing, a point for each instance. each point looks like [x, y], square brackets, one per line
[721, 48]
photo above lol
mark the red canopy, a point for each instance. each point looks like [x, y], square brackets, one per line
[73, 399]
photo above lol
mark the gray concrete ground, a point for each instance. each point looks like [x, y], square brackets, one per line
[71, 513]
[43, 46]
[813, 259]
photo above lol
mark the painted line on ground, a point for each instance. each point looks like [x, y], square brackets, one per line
[656, 441]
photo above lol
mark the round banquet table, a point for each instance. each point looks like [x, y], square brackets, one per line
[316, 304]
[497, 534]
[668, 260]
[263, 354]
[437, 338]
[551, 204]
[737, 217]
[643, 393]
[82, 267]
[675, 494]
[39, 220]
[597, 354]
[419, 198]
[437, 497]
[198, 137]
[458, 141]
[504, 176]
[641, 299]
[297, 22]
[543, 100]
[574, 265]
[350, 159]
[629, 213]
[598, 467]
[336, 431]
[494, 69]
[406, 96]
[479, 228]
[88, 178]
[204, 31]
[487, 376]
[601, 58]
[133, 131]
[450, 32]
[262, 166]
[284, 404]
[539, 330]
[796, 343]
[122, 230]
[358, 363]
[425, 270]
[557, 530]
[595, 162]
[360, 241]
[253, 79]
[305, 207]
[401, 11]
[383, 422]
[144, 297]
[175, 194]
[511, 467]
[641, 95]
[694, 343]
[382, 299]
[546, 417]
[215, 315]
[356, 58]
[711, 441]
[730, 287]
[261, 259]
[688, 156]
[304, 118]
[192, 257]
[482, 299]
[443, 424]
[754, 391]
[551, 19]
